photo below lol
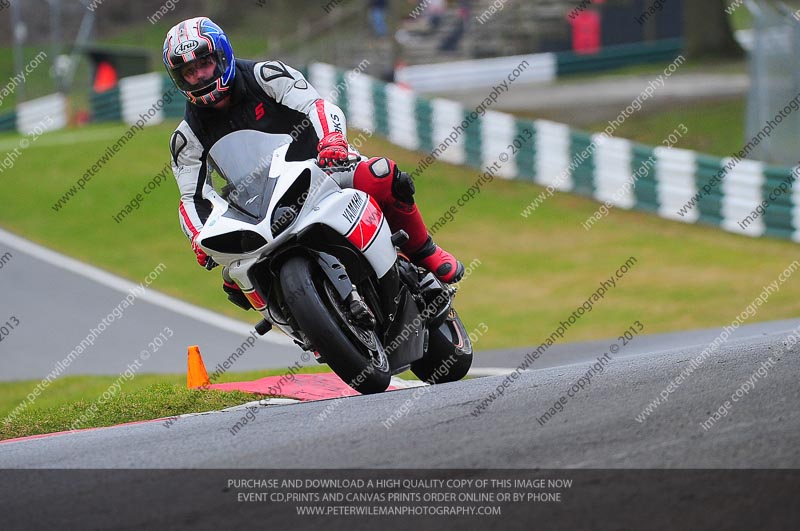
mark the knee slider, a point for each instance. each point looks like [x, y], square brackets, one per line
[382, 167]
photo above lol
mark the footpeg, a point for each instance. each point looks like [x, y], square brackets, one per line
[263, 326]
[399, 238]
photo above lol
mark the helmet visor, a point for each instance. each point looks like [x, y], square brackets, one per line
[200, 73]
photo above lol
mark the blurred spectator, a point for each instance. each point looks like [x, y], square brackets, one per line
[377, 14]
[453, 40]
[464, 9]
[435, 11]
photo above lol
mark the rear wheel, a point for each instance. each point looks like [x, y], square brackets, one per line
[354, 353]
[449, 354]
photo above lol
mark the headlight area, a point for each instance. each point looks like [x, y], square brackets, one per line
[237, 242]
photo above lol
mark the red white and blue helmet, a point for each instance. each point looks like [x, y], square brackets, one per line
[194, 39]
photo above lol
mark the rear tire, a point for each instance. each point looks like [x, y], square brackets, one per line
[363, 368]
[449, 354]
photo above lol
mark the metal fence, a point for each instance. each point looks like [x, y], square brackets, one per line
[775, 82]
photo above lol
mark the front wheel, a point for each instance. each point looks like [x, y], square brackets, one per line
[449, 354]
[354, 353]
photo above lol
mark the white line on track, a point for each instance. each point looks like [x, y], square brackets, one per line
[124, 286]
[479, 372]
[60, 139]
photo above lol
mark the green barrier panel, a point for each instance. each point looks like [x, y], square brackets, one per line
[8, 122]
[424, 114]
[778, 218]
[646, 196]
[176, 107]
[473, 144]
[583, 174]
[526, 155]
[774, 177]
[612, 57]
[381, 112]
[106, 106]
[710, 204]
[643, 170]
[779, 232]
[779, 197]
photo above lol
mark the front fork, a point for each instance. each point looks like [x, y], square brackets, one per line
[329, 265]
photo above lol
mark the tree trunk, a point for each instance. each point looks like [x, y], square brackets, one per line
[708, 30]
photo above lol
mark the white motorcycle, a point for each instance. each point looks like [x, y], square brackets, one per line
[320, 263]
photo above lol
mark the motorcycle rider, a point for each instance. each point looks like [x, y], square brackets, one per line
[226, 94]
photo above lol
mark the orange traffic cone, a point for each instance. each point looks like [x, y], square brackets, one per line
[196, 375]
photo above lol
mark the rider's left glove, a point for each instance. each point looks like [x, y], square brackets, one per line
[202, 258]
[335, 151]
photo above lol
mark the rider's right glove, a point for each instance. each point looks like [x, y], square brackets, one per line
[335, 151]
[202, 258]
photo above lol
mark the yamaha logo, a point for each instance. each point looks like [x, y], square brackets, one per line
[351, 210]
[186, 47]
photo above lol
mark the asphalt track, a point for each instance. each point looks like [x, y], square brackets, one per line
[596, 429]
[587, 351]
[58, 301]
[570, 101]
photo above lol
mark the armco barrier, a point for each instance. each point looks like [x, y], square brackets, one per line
[8, 121]
[442, 77]
[618, 56]
[543, 67]
[31, 115]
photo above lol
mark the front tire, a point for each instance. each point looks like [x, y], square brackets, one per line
[355, 354]
[449, 354]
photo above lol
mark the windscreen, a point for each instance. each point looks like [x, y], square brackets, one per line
[241, 161]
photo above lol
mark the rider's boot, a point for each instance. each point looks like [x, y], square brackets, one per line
[438, 261]
[234, 292]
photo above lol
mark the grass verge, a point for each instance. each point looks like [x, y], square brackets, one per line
[77, 399]
[714, 128]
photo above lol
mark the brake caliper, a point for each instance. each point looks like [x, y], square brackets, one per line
[360, 312]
